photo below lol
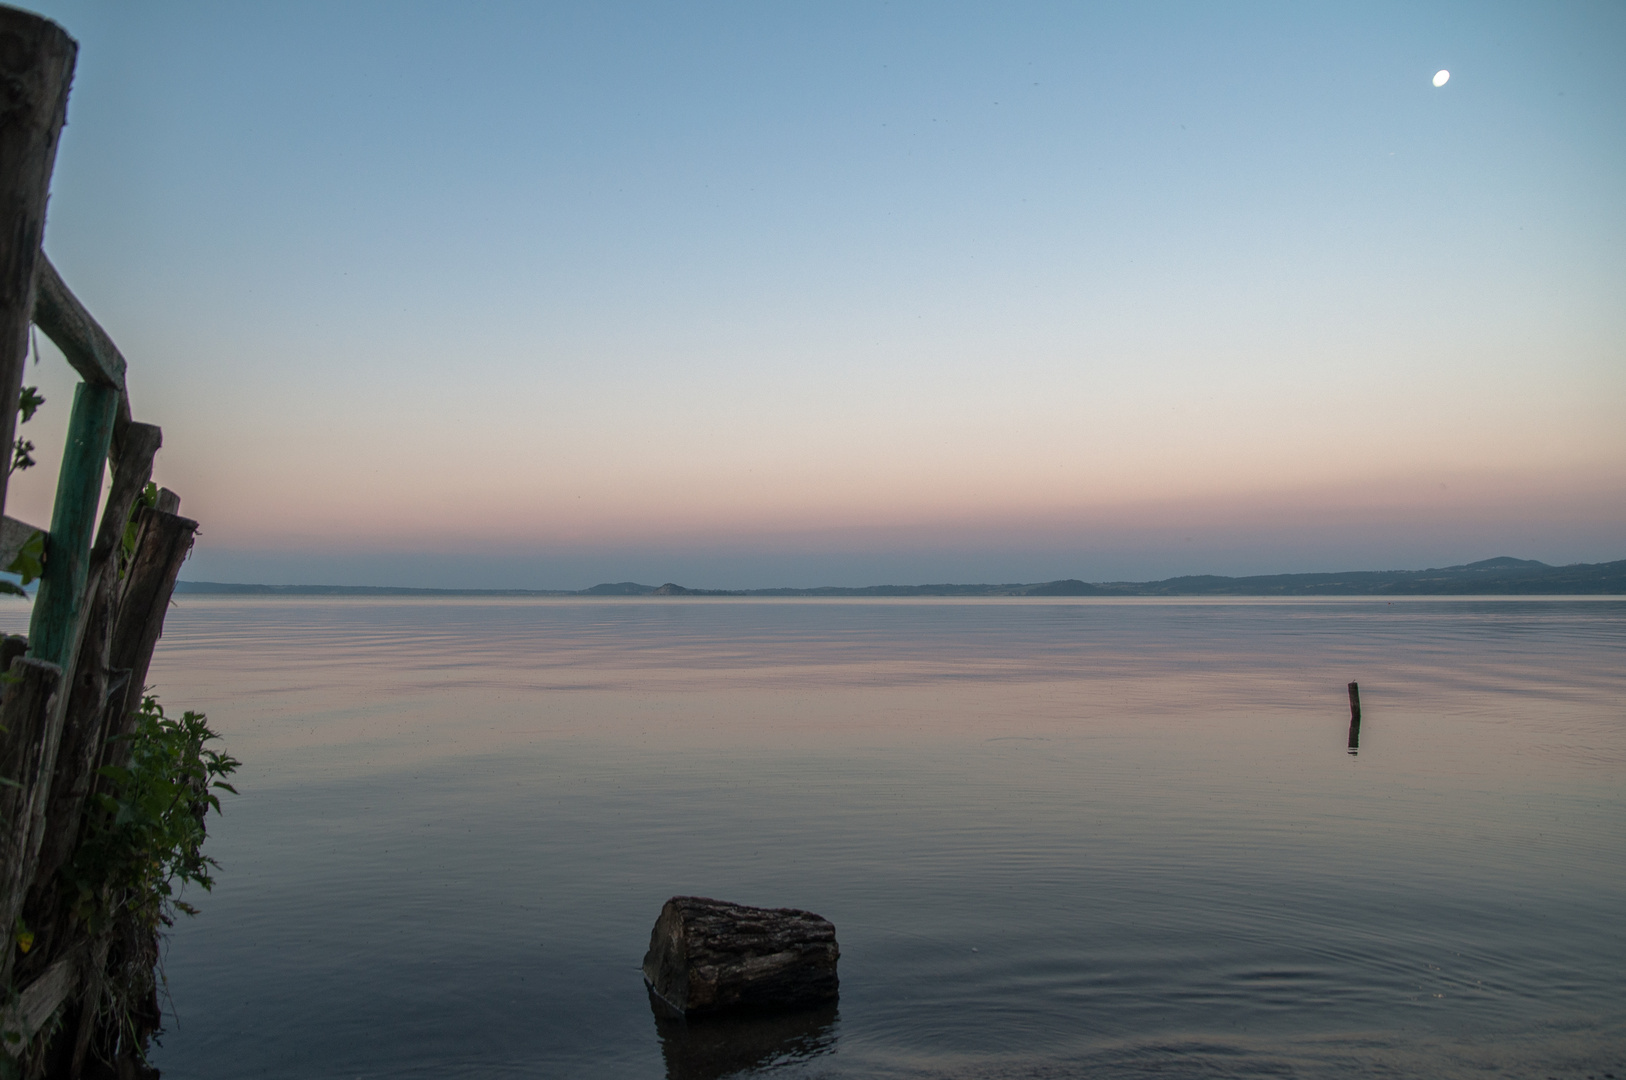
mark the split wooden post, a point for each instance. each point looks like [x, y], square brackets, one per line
[54, 628]
[163, 541]
[132, 469]
[27, 759]
[36, 69]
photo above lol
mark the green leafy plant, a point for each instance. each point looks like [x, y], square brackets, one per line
[148, 497]
[28, 562]
[22, 451]
[28, 402]
[28, 565]
[143, 842]
[141, 846]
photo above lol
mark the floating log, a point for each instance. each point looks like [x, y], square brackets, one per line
[708, 956]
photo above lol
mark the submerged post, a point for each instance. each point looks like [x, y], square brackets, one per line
[1354, 717]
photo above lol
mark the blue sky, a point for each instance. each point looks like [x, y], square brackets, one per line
[738, 295]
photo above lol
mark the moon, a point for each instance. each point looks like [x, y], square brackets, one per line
[1440, 77]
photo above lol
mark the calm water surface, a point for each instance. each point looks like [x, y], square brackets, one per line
[1057, 838]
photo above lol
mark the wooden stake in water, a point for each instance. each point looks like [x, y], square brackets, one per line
[1354, 717]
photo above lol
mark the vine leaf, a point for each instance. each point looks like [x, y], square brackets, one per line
[29, 563]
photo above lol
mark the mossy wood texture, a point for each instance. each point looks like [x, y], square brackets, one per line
[52, 631]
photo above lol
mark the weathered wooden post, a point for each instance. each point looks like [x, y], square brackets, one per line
[163, 541]
[36, 70]
[27, 759]
[58, 607]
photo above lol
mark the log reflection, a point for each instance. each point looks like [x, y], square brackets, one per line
[711, 1048]
[1354, 718]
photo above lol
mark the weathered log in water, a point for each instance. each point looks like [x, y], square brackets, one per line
[708, 956]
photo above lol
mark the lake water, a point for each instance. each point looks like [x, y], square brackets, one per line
[1057, 838]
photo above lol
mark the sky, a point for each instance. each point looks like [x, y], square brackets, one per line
[742, 295]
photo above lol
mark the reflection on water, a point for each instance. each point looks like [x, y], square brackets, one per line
[711, 1048]
[1060, 838]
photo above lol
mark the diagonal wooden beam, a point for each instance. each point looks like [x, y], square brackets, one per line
[81, 338]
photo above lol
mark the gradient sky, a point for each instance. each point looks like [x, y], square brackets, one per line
[541, 295]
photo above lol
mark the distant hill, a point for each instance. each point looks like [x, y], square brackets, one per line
[222, 588]
[1490, 577]
[620, 588]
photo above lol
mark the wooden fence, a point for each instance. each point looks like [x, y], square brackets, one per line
[75, 683]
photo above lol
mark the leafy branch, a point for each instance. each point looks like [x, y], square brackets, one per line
[29, 561]
[144, 839]
[22, 451]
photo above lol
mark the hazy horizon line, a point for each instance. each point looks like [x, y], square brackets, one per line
[1504, 564]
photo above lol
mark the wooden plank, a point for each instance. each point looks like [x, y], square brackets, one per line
[36, 1004]
[36, 70]
[28, 759]
[81, 338]
[13, 535]
[58, 605]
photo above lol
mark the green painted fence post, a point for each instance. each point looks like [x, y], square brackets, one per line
[67, 549]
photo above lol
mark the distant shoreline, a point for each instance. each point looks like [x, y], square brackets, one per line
[1490, 577]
